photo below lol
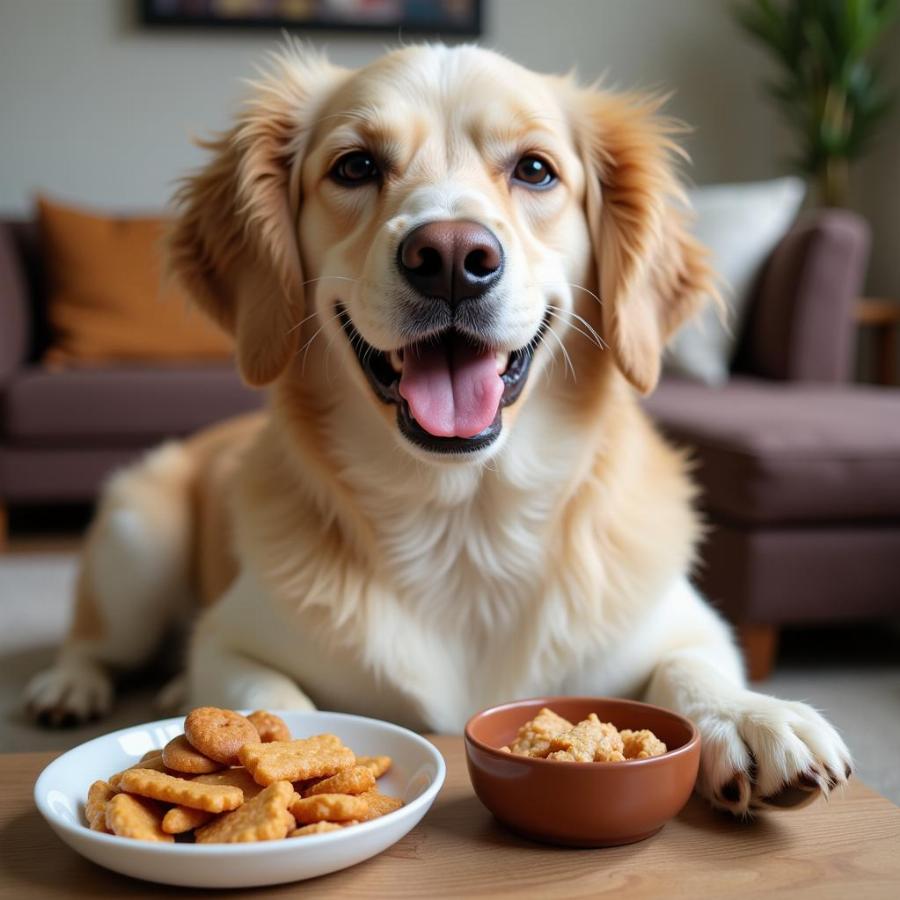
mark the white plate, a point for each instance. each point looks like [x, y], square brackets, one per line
[415, 777]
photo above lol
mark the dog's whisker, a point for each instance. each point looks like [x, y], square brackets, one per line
[551, 369]
[579, 318]
[574, 328]
[305, 348]
[329, 351]
[581, 287]
[567, 358]
[565, 353]
[572, 284]
[589, 332]
[330, 277]
[312, 315]
[563, 315]
[302, 322]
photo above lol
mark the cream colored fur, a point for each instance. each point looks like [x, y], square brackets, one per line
[376, 577]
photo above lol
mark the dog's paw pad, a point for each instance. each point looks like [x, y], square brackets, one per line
[731, 791]
[798, 794]
[734, 794]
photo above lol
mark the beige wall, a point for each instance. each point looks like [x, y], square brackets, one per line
[96, 109]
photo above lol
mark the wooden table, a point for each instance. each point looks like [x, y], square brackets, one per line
[848, 847]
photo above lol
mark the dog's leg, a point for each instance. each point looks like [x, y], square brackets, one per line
[132, 581]
[758, 752]
[234, 650]
[220, 676]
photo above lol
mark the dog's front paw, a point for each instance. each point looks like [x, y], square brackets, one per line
[276, 692]
[277, 697]
[71, 692]
[765, 753]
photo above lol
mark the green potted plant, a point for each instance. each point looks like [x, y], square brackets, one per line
[828, 87]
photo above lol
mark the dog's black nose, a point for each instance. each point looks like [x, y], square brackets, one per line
[452, 261]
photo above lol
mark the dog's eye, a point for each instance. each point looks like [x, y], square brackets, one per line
[354, 169]
[534, 172]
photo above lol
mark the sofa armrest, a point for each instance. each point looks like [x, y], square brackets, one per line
[15, 315]
[801, 326]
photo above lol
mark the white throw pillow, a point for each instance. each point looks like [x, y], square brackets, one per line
[741, 224]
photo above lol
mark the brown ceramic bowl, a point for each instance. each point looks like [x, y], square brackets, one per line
[582, 804]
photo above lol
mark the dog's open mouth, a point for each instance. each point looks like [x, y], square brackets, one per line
[449, 389]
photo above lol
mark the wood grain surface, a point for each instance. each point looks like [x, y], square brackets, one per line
[848, 847]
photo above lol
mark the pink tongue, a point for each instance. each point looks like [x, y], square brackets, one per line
[453, 389]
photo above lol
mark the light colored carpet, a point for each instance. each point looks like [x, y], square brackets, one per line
[852, 676]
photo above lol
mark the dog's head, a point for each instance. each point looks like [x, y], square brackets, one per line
[447, 222]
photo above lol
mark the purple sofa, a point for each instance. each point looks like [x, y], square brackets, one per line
[799, 469]
[62, 432]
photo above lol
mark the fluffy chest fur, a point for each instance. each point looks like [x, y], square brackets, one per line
[452, 589]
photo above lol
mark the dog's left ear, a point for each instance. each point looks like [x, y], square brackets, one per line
[652, 273]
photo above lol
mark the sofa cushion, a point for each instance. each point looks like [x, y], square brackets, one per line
[109, 300]
[120, 405]
[740, 224]
[775, 452]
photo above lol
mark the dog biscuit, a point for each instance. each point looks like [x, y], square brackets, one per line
[237, 777]
[283, 787]
[269, 726]
[378, 764]
[99, 794]
[330, 808]
[180, 819]
[264, 818]
[219, 733]
[304, 786]
[355, 780]
[321, 755]
[641, 744]
[534, 737]
[379, 804]
[154, 762]
[321, 828]
[214, 798]
[135, 817]
[180, 756]
[589, 741]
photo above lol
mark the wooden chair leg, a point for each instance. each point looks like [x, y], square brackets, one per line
[4, 528]
[760, 645]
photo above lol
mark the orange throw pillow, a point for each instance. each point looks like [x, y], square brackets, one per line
[108, 299]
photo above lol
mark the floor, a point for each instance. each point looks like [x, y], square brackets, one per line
[850, 674]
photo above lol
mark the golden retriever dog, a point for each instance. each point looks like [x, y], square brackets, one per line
[456, 276]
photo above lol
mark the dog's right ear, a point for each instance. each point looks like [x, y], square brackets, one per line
[234, 242]
[652, 273]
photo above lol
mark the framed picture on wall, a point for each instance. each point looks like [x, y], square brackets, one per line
[447, 17]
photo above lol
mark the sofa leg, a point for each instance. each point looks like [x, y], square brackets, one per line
[760, 644]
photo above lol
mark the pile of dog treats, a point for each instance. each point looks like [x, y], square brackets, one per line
[232, 779]
[550, 736]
